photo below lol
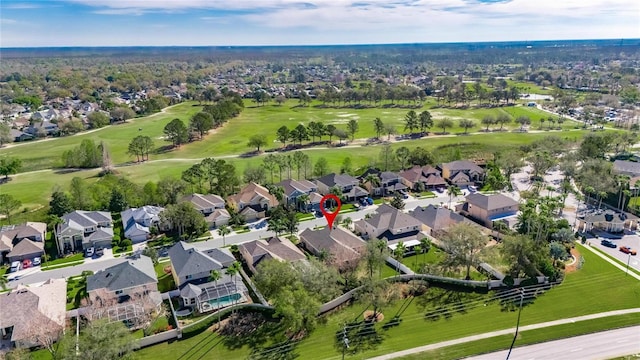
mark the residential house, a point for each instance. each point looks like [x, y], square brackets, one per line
[252, 202]
[625, 167]
[489, 208]
[81, 230]
[341, 246]
[428, 176]
[191, 269]
[462, 173]
[295, 189]
[137, 222]
[436, 219]
[28, 312]
[212, 207]
[45, 128]
[17, 135]
[125, 292]
[19, 242]
[608, 221]
[387, 184]
[257, 251]
[347, 184]
[391, 224]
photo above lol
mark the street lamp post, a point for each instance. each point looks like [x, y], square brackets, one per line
[515, 336]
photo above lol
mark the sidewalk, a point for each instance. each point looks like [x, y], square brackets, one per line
[488, 335]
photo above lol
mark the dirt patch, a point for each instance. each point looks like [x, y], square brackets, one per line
[574, 266]
[368, 316]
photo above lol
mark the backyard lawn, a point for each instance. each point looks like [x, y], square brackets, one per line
[597, 287]
[165, 280]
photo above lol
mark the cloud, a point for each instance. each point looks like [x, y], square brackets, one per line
[22, 6]
[5, 21]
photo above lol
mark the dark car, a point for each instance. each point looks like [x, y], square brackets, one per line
[99, 252]
[608, 243]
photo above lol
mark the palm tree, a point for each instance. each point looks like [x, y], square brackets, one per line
[304, 200]
[452, 190]
[223, 231]
[372, 179]
[416, 249]
[425, 246]
[215, 276]
[347, 222]
[398, 253]
[233, 271]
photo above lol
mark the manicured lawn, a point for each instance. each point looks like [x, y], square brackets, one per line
[597, 287]
[165, 281]
[624, 264]
[414, 262]
[527, 338]
[34, 189]
[65, 260]
[75, 292]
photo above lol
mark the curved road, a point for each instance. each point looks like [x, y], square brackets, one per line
[598, 346]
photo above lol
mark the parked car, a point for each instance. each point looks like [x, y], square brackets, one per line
[15, 266]
[37, 261]
[356, 206]
[26, 263]
[99, 252]
[472, 188]
[89, 252]
[370, 201]
[627, 250]
[608, 243]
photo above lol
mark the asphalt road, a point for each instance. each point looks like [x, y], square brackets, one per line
[598, 346]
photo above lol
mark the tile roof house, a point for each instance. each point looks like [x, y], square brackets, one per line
[428, 176]
[343, 247]
[30, 311]
[462, 172]
[391, 224]
[347, 184]
[191, 269]
[81, 230]
[125, 291]
[19, 242]
[435, 219]
[255, 252]
[252, 201]
[137, 222]
[488, 208]
[624, 167]
[389, 182]
[294, 189]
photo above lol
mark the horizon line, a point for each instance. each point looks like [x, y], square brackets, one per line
[319, 45]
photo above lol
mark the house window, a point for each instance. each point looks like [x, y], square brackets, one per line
[118, 292]
[189, 277]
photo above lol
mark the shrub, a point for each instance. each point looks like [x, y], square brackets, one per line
[125, 244]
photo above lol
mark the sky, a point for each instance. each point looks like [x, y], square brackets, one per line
[309, 22]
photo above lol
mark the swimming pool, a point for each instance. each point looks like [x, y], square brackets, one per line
[224, 301]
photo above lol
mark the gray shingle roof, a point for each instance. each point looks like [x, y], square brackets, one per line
[273, 247]
[388, 217]
[436, 218]
[338, 180]
[459, 165]
[628, 167]
[340, 243]
[188, 260]
[490, 202]
[27, 247]
[131, 273]
[201, 202]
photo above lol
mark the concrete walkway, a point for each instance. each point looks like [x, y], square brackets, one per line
[463, 340]
[612, 262]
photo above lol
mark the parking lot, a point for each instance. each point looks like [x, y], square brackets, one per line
[632, 241]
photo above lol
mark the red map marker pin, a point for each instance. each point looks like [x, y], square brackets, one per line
[328, 215]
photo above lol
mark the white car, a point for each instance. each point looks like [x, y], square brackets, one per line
[36, 261]
[89, 252]
[472, 189]
[15, 266]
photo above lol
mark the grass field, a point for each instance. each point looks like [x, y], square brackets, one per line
[527, 338]
[597, 287]
[232, 138]
[34, 189]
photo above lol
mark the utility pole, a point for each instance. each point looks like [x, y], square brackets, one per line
[345, 340]
[628, 260]
[515, 336]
